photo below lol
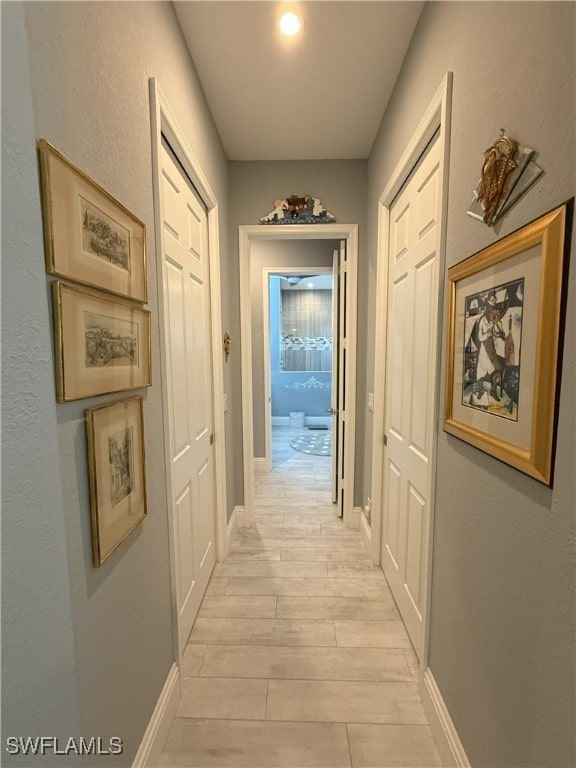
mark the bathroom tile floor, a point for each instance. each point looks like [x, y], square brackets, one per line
[298, 657]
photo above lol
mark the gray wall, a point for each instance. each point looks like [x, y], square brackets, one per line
[38, 676]
[341, 186]
[502, 633]
[70, 665]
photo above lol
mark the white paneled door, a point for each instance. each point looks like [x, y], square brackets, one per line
[411, 388]
[335, 375]
[186, 290]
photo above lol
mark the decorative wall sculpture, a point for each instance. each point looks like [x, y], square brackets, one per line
[507, 172]
[298, 210]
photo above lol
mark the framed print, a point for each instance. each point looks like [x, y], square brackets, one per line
[102, 345]
[89, 237]
[505, 325]
[117, 473]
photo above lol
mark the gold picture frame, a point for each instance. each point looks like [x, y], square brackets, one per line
[102, 345]
[89, 237]
[505, 325]
[117, 473]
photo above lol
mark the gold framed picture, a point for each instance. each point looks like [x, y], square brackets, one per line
[117, 473]
[505, 325]
[102, 345]
[89, 237]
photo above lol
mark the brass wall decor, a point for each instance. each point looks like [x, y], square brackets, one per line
[507, 172]
[227, 345]
[499, 162]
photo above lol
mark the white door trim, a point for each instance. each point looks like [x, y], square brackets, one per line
[251, 233]
[164, 122]
[436, 118]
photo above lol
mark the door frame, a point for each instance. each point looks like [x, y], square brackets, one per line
[436, 118]
[258, 232]
[267, 272]
[164, 123]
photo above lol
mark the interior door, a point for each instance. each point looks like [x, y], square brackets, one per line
[335, 361]
[189, 388]
[411, 388]
[339, 372]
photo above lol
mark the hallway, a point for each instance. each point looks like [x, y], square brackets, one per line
[298, 656]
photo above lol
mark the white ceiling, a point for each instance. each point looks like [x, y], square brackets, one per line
[318, 96]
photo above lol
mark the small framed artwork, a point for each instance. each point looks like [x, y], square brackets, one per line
[505, 324]
[89, 237]
[102, 345]
[117, 473]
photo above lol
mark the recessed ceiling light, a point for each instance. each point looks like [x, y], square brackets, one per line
[289, 24]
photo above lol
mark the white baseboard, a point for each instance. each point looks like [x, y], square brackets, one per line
[366, 532]
[284, 421]
[353, 521]
[445, 734]
[260, 464]
[237, 520]
[314, 421]
[152, 743]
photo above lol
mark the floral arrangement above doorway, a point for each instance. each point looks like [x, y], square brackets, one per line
[298, 210]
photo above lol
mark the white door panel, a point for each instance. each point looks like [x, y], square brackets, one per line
[189, 383]
[411, 388]
[340, 418]
[335, 372]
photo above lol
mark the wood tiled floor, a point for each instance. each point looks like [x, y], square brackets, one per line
[298, 656]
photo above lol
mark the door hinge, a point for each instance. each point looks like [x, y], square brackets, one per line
[212, 439]
[385, 439]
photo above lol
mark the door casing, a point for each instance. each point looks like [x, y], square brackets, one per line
[252, 233]
[436, 118]
[164, 123]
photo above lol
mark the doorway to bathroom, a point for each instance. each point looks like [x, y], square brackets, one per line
[288, 251]
[300, 366]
